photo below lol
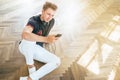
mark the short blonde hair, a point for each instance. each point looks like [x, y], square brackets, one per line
[49, 5]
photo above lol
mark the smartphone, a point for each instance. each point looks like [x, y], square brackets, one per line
[58, 35]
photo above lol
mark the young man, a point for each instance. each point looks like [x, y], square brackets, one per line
[34, 35]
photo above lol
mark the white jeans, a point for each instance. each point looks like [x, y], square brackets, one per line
[32, 51]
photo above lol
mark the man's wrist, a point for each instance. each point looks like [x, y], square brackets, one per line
[46, 39]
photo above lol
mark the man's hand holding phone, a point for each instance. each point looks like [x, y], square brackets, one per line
[53, 38]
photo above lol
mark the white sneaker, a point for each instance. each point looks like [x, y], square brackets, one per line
[23, 78]
[31, 70]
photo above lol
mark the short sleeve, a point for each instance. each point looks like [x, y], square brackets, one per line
[32, 23]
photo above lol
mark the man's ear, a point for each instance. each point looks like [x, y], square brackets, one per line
[43, 11]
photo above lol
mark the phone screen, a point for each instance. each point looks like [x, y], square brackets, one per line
[58, 35]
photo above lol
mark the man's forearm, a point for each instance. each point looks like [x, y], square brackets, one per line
[33, 37]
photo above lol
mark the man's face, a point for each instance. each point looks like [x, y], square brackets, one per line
[48, 14]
